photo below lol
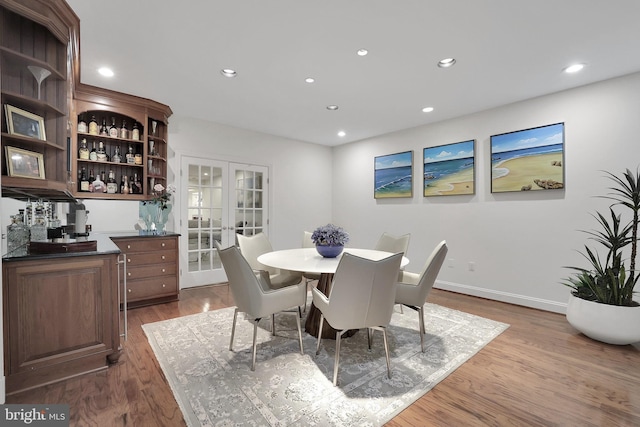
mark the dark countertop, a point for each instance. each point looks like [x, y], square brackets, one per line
[104, 245]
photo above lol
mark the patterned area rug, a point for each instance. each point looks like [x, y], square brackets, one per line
[215, 387]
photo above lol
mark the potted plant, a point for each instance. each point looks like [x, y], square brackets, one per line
[329, 240]
[601, 303]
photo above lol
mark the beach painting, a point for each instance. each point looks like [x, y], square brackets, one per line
[528, 160]
[449, 169]
[393, 175]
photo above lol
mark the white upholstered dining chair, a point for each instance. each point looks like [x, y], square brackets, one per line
[413, 289]
[253, 295]
[394, 244]
[362, 296]
[254, 246]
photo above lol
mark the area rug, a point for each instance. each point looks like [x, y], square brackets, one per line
[215, 387]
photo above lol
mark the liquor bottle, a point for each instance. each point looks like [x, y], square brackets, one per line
[93, 155]
[112, 185]
[39, 226]
[93, 125]
[98, 185]
[135, 133]
[117, 157]
[84, 180]
[17, 236]
[113, 130]
[104, 181]
[136, 184]
[92, 179]
[103, 129]
[83, 151]
[101, 155]
[82, 125]
[124, 132]
[131, 158]
[124, 185]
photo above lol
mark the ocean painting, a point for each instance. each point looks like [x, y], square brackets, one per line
[449, 169]
[393, 175]
[528, 160]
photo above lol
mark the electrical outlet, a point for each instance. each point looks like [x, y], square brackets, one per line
[472, 266]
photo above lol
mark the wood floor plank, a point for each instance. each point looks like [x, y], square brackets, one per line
[539, 372]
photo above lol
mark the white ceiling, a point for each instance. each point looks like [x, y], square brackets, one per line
[506, 51]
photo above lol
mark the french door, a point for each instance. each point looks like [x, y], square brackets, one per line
[222, 199]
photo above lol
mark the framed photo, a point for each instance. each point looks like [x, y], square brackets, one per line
[393, 175]
[449, 169]
[24, 123]
[24, 164]
[528, 160]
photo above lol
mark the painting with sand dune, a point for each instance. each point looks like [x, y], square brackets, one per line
[449, 169]
[528, 160]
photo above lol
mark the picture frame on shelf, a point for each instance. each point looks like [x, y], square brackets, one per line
[528, 160]
[24, 164]
[449, 169]
[393, 175]
[24, 123]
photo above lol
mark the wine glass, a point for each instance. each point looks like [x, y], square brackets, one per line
[154, 126]
[39, 74]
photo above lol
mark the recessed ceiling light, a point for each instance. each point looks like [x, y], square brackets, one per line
[309, 80]
[341, 133]
[332, 107]
[228, 72]
[107, 72]
[427, 109]
[362, 52]
[574, 68]
[446, 63]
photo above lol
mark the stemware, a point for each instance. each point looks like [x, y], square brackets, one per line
[39, 74]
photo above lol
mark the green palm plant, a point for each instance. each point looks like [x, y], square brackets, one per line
[609, 282]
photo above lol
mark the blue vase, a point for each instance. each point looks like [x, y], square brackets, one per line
[329, 251]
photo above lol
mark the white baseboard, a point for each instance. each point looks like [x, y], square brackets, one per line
[538, 303]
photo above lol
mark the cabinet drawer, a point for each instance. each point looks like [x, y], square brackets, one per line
[156, 270]
[141, 258]
[148, 244]
[151, 288]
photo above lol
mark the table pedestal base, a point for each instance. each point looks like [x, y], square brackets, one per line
[312, 325]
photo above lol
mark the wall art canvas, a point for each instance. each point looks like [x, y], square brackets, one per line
[393, 175]
[528, 160]
[449, 169]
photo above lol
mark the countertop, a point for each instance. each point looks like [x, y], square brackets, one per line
[104, 245]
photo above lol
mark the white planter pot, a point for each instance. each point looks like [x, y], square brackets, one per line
[603, 322]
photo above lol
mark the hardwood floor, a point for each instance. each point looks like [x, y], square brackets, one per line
[539, 372]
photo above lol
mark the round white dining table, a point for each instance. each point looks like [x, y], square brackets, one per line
[310, 261]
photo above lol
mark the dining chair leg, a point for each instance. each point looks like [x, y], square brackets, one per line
[255, 333]
[386, 351]
[319, 334]
[233, 328]
[299, 333]
[273, 324]
[422, 331]
[369, 337]
[337, 359]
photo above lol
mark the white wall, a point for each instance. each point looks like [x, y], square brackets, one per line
[519, 241]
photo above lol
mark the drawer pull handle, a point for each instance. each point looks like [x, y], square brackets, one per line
[128, 259]
[163, 270]
[128, 246]
[163, 245]
[129, 290]
[129, 274]
[163, 257]
[164, 286]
